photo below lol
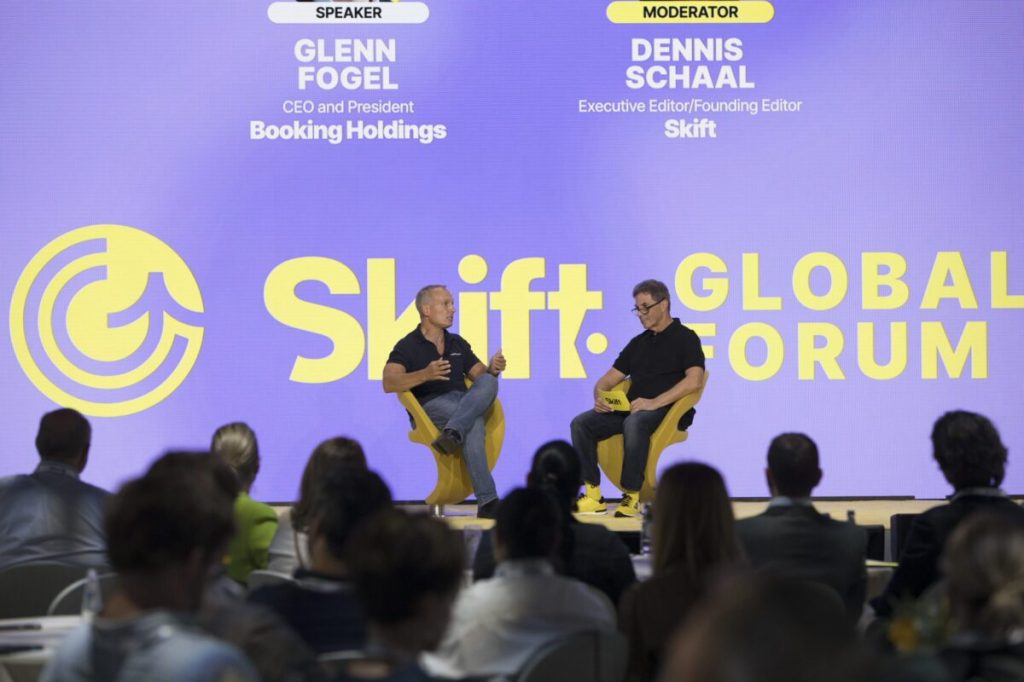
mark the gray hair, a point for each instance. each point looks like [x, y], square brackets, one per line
[656, 289]
[423, 294]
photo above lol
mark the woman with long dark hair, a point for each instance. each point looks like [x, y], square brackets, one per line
[289, 549]
[694, 538]
[589, 552]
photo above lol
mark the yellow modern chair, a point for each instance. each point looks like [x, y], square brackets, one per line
[453, 483]
[610, 451]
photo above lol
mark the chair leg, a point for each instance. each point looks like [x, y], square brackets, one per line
[437, 510]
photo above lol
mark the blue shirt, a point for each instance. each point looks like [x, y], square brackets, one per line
[50, 515]
[159, 646]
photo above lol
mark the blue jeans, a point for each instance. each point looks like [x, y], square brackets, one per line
[636, 429]
[464, 412]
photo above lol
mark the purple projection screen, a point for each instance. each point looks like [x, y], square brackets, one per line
[214, 212]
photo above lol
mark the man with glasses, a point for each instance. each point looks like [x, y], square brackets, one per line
[664, 363]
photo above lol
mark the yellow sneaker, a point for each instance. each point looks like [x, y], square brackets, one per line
[590, 501]
[630, 505]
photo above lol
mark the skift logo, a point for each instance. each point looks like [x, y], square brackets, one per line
[105, 319]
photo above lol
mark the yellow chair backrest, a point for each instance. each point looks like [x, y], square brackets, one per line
[610, 451]
[453, 482]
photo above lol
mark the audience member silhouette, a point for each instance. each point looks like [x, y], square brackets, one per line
[256, 522]
[769, 629]
[589, 552]
[984, 569]
[289, 549]
[165, 531]
[407, 570]
[972, 458]
[499, 623]
[277, 653]
[791, 538]
[320, 604]
[50, 515]
[383, 585]
[694, 538]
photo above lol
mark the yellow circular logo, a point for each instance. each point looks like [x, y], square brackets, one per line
[103, 320]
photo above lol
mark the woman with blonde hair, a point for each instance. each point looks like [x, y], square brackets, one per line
[694, 538]
[984, 567]
[255, 522]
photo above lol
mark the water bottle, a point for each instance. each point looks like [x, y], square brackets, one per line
[92, 597]
[471, 535]
[645, 530]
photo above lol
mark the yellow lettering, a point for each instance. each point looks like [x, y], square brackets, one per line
[572, 301]
[752, 298]
[935, 344]
[866, 351]
[515, 301]
[340, 328]
[738, 351]
[949, 265]
[717, 287]
[838, 284]
[873, 280]
[473, 306]
[811, 355]
[1001, 298]
[473, 322]
[384, 327]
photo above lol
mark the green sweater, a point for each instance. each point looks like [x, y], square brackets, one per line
[256, 524]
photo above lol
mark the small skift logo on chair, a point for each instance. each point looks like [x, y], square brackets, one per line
[616, 400]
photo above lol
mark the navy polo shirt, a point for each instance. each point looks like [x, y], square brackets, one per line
[655, 362]
[414, 352]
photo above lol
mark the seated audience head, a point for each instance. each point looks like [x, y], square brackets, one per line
[984, 567]
[407, 570]
[235, 443]
[968, 449]
[166, 530]
[64, 437]
[769, 629]
[793, 469]
[333, 453]
[694, 530]
[345, 498]
[191, 463]
[528, 526]
[556, 469]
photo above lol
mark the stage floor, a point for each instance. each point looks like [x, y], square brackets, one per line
[866, 511]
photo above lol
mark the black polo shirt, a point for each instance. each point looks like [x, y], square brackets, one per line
[658, 361]
[414, 352]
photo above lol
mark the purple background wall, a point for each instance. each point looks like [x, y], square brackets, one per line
[908, 140]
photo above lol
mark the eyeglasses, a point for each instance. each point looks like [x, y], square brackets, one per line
[644, 309]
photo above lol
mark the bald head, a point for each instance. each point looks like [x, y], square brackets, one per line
[64, 436]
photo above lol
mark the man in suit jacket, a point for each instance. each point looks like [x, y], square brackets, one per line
[793, 539]
[972, 458]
